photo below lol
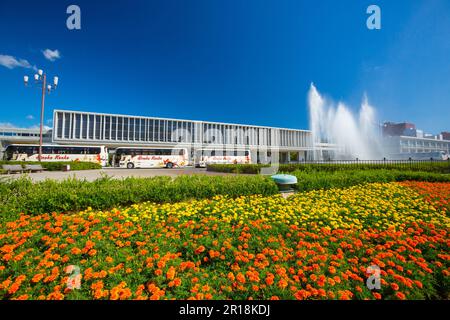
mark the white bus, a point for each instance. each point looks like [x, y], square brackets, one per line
[205, 157]
[151, 157]
[54, 153]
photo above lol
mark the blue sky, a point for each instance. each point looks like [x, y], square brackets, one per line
[236, 61]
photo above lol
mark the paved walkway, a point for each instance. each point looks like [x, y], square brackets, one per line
[117, 173]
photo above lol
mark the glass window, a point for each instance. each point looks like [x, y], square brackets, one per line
[107, 127]
[113, 128]
[84, 126]
[91, 127]
[132, 127]
[119, 128]
[59, 123]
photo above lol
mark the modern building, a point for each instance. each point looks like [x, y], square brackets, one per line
[405, 139]
[266, 144]
[115, 130]
[407, 145]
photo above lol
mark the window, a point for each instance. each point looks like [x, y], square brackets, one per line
[84, 126]
[59, 124]
[91, 127]
[151, 130]
[126, 131]
[113, 128]
[119, 128]
[107, 127]
[132, 127]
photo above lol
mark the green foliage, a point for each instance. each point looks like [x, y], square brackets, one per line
[58, 166]
[22, 195]
[340, 179]
[237, 168]
[420, 166]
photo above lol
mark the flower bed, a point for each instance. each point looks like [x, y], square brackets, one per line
[314, 245]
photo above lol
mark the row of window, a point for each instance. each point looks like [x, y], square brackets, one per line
[149, 152]
[30, 150]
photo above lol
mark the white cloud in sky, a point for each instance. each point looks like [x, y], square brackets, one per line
[37, 126]
[11, 62]
[30, 117]
[51, 55]
[7, 125]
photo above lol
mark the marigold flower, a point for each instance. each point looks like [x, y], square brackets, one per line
[199, 250]
[400, 295]
[170, 275]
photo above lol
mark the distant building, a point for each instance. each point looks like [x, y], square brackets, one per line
[445, 135]
[395, 146]
[391, 129]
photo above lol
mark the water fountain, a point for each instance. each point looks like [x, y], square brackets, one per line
[350, 137]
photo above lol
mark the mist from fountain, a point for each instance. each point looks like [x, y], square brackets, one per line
[355, 137]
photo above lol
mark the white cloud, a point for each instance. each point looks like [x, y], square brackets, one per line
[30, 117]
[37, 126]
[51, 55]
[11, 62]
[8, 125]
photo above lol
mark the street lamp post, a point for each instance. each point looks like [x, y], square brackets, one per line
[40, 79]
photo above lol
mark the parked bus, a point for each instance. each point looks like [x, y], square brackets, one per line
[205, 157]
[151, 157]
[53, 153]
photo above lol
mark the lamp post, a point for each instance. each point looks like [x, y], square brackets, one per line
[40, 80]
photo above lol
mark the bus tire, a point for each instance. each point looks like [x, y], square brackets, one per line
[169, 165]
[130, 165]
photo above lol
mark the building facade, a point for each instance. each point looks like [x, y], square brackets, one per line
[407, 145]
[114, 130]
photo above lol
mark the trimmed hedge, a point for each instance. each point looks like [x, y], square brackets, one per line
[425, 166]
[58, 166]
[325, 180]
[237, 168]
[22, 195]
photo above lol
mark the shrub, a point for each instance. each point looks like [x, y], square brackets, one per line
[419, 166]
[22, 195]
[58, 166]
[340, 179]
[237, 168]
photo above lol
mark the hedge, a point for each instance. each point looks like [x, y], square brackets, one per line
[58, 166]
[22, 195]
[423, 166]
[325, 180]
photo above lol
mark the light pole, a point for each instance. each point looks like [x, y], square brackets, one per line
[40, 80]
